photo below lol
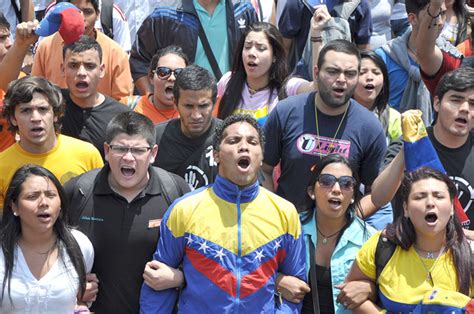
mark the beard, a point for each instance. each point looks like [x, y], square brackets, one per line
[329, 100]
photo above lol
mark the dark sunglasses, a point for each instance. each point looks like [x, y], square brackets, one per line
[164, 72]
[328, 180]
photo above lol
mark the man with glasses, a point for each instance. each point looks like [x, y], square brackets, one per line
[165, 66]
[186, 142]
[303, 128]
[87, 111]
[120, 207]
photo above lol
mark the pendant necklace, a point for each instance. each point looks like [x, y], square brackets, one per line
[331, 146]
[430, 255]
[327, 237]
[159, 111]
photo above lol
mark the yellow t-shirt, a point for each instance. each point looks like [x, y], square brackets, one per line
[69, 158]
[403, 281]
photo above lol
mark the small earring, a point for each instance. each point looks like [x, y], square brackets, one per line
[261, 163]
[15, 214]
[352, 201]
[312, 197]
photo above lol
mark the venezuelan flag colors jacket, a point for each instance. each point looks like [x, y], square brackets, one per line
[231, 243]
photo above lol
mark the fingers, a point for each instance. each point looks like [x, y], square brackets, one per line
[92, 277]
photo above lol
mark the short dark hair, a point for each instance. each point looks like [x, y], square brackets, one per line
[195, 78]
[95, 4]
[174, 50]
[131, 123]
[415, 6]
[83, 44]
[232, 119]
[338, 45]
[21, 91]
[10, 227]
[459, 80]
[4, 22]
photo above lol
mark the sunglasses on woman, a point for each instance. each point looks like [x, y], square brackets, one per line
[164, 73]
[328, 180]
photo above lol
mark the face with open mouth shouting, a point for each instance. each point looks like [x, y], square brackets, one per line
[129, 157]
[333, 201]
[163, 86]
[429, 206]
[35, 122]
[82, 71]
[240, 154]
[257, 56]
[38, 205]
[455, 113]
[337, 80]
[370, 83]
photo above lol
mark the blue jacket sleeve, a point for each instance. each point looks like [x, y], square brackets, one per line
[170, 250]
[294, 264]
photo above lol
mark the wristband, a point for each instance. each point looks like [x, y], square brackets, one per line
[316, 39]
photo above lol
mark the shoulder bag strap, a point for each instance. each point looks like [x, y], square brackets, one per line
[170, 188]
[312, 275]
[210, 55]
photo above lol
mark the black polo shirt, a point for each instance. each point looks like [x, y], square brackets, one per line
[124, 236]
[89, 124]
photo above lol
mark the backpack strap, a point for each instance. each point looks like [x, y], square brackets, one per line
[82, 193]
[346, 8]
[169, 187]
[17, 10]
[383, 253]
[106, 19]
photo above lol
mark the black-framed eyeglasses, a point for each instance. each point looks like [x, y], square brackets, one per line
[122, 150]
[327, 180]
[164, 73]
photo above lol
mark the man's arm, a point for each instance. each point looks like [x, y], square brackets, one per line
[386, 184]
[11, 65]
[429, 55]
[287, 44]
[268, 177]
[27, 9]
[170, 251]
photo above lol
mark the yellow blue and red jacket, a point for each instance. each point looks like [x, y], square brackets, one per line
[231, 243]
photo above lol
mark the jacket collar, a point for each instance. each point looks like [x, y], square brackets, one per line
[230, 192]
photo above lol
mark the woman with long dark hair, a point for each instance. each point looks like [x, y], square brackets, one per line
[430, 251]
[456, 24]
[43, 263]
[333, 235]
[256, 81]
[372, 92]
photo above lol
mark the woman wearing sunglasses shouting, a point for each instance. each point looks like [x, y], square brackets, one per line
[159, 106]
[333, 235]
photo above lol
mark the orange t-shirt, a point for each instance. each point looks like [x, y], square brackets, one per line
[6, 137]
[146, 108]
[465, 48]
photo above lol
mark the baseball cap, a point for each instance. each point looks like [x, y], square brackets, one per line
[65, 18]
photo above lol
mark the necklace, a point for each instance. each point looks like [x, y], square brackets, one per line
[254, 91]
[331, 146]
[327, 237]
[430, 255]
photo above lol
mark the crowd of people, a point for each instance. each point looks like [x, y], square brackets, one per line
[226, 156]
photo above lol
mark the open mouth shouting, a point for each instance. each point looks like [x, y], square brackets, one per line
[243, 163]
[370, 87]
[44, 217]
[335, 202]
[127, 171]
[82, 86]
[431, 218]
[37, 131]
[338, 91]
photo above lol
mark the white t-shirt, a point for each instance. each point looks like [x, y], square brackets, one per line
[55, 292]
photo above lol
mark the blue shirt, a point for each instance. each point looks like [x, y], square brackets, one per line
[344, 253]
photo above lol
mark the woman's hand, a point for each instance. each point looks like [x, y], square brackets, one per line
[160, 276]
[92, 288]
[320, 17]
[292, 288]
[354, 293]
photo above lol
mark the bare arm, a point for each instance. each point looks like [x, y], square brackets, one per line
[12, 62]
[268, 177]
[143, 85]
[386, 184]
[429, 55]
[320, 18]
[27, 10]
[287, 44]
[356, 275]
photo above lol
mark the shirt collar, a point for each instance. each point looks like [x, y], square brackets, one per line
[230, 192]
